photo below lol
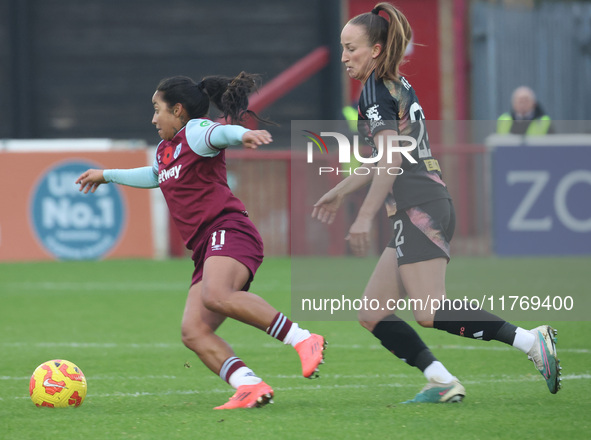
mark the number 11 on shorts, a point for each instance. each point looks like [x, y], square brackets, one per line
[222, 236]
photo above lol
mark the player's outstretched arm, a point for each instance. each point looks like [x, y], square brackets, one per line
[90, 180]
[142, 177]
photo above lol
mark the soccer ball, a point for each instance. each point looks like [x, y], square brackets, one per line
[58, 384]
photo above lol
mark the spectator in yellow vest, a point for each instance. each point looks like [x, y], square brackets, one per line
[526, 116]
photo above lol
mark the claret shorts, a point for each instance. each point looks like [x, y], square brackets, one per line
[234, 236]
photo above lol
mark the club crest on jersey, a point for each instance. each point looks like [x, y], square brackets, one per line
[375, 119]
[177, 151]
[372, 113]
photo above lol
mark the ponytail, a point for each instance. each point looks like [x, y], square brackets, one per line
[393, 35]
[229, 95]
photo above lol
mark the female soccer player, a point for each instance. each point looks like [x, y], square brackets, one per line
[423, 219]
[190, 169]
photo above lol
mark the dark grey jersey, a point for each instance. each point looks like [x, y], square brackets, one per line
[393, 105]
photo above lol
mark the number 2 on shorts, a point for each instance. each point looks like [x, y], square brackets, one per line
[399, 237]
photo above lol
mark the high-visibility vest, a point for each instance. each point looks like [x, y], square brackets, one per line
[350, 114]
[537, 126]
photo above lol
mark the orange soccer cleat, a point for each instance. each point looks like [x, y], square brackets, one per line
[250, 396]
[311, 351]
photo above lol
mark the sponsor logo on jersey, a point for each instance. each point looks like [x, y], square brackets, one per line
[164, 175]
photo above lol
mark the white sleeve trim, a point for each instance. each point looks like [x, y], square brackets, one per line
[208, 138]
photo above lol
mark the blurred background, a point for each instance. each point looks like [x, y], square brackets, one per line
[77, 77]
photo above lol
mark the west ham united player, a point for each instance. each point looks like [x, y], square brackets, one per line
[190, 169]
[414, 262]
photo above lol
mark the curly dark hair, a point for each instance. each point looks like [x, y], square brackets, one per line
[229, 95]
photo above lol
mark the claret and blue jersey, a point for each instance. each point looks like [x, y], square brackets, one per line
[191, 170]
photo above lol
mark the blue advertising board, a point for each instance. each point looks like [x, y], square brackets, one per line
[541, 200]
[70, 224]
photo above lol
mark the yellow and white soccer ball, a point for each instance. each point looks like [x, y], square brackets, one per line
[58, 384]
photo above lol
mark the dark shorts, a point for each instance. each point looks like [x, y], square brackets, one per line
[234, 237]
[423, 232]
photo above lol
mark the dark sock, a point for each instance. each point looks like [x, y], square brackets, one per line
[506, 333]
[401, 339]
[475, 324]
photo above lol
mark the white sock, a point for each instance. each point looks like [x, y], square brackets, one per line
[243, 376]
[295, 335]
[524, 340]
[436, 372]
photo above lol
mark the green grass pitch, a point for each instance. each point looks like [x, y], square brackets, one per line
[119, 321]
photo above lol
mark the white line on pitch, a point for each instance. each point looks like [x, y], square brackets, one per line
[409, 377]
[528, 378]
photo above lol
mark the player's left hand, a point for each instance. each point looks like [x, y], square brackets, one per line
[254, 138]
[325, 209]
[358, 236]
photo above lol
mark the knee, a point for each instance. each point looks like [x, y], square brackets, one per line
[190, 337]
[425, 323]
[362, 320]
[216, 299]
[365, 321]
[424, 318]
[368, 325]
[370, 319]
[193, 336]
